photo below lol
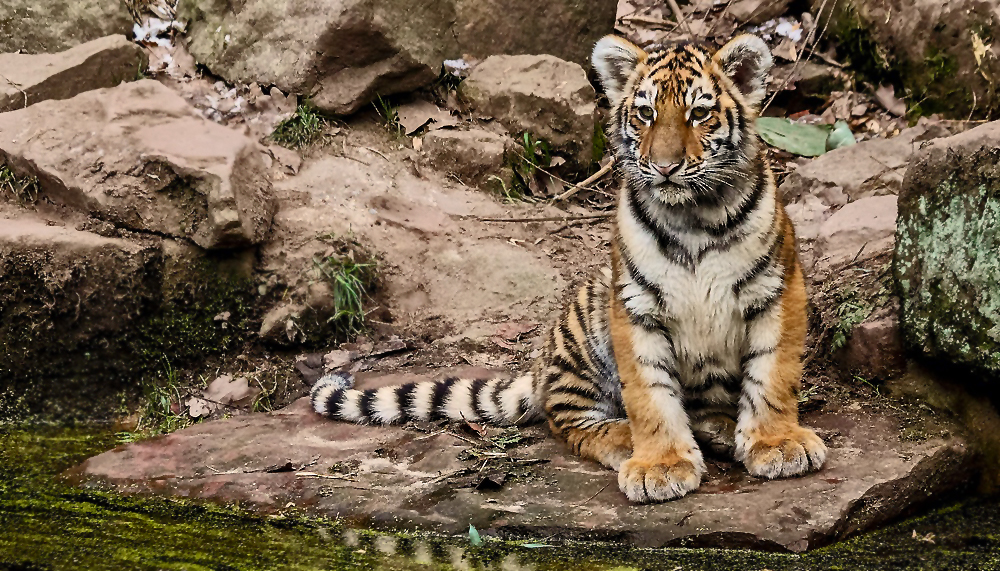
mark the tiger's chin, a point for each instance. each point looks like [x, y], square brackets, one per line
[671, 194]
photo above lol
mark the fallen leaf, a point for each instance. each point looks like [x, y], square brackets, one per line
[393, 345]
[979, 50]
[841, 136]
[477, 428]
[413, 116]
[198, 408]
[513, 330]
[886, 96]
[474, 537]
[504, 343]
[797, 138]
[227, 390]
[492, 481]
[786, 50]
[338, 358]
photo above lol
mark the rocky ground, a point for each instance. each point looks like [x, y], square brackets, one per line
[190, 246]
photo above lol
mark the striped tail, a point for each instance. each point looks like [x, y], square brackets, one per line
[493, 401]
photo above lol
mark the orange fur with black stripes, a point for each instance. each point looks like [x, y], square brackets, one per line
[694, 337]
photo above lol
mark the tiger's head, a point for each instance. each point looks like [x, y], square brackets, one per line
[682, 123]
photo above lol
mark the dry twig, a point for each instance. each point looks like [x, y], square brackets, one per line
[681, 20]
[590, 180]
[546, 218]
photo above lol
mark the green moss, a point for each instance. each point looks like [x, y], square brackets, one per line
[599, 143]
[931, 86]
[72, 357]
[857, 46]
[189, 325]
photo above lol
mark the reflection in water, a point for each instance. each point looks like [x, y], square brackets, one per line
[397, 552]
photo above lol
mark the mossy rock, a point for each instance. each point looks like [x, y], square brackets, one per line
[936, 52]
[84, 318]
[57, 25]
[946, 266]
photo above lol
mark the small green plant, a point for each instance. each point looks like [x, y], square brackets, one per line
[301, 129]
[161, 411]
[389, 114]
[265, 400]
[806, 394]
[509, 192]
[24, 190]
[534, 154]
[850, 313]
[870, 384]
[350, 281]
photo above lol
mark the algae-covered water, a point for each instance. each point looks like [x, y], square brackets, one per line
[45, 524]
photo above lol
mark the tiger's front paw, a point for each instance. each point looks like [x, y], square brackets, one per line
[658, 480]
[780, 454]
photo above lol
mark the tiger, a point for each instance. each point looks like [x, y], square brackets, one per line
[694, 336]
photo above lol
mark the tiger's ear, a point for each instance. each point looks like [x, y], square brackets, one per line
[746, 60]
[615, 59]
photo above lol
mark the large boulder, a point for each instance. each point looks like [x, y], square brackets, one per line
[342, 53]
[946, 266]
[942, 52]
[31, 26]
[491, 27]
[104, 62]
[542, 95]
[139, 156]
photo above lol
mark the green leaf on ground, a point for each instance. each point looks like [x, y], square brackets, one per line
[796, 138]
[840, 136]
[474, 538]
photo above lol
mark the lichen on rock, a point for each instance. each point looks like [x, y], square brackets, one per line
[946, 267]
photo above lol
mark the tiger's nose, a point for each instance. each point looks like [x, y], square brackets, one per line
[667, 169]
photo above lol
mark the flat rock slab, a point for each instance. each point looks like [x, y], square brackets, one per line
[104, 62]
[139, 156]
[404, 479]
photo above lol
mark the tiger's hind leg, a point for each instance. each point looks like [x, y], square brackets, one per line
[607, 441]
[582, 416]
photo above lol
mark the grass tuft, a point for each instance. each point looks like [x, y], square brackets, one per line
[534, 154]
[389, 114]
[161, 410]
[351, 282]
[303, 128]
[24, 190]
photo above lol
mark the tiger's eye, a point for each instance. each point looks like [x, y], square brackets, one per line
[699, 113]
[646, 113]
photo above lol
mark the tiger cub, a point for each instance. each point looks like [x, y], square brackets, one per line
[697, 331]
